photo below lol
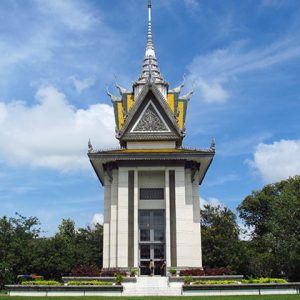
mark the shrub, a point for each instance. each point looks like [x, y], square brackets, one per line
[111, 272]
[217, 271]
[6, 274]
[93, 282]
[173, 271]
[27, 277]
[188, 279]
[85, 271]
[264, 280]
[216, 282]
[191, 272]
[119, 278]
[41, 282]
[208, 272]
[133, 272]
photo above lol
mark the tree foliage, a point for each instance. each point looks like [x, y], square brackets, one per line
[273, 214]
[220, 237]
[23, 250]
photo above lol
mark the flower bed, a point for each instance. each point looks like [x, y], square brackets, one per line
[111, 272]
[206, 272]
[94, 282]
[41, 282]
[216, 282]
[264, 280]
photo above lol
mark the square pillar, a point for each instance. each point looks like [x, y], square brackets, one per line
[181, 218]
[136, 224]
[122, 217]
[113, 220]
[197, 224]
[188, 231]
[168, 231]
[106, 222]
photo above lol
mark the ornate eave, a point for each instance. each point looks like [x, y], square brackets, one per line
[103, 161]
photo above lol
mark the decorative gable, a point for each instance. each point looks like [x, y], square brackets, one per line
[150, 121]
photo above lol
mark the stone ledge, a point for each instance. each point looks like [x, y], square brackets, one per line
[258, 286]
[206, 278]
[66, 279]
[66, 288]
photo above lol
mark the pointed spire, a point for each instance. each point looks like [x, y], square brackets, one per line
[150, 45]
[150, 66]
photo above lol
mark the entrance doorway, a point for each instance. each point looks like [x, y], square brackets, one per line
[151, 240]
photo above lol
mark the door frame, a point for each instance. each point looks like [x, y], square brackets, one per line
[152, 241]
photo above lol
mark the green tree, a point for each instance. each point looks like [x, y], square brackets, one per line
[220, 237]
[89, 246]
[273, 213]
[17, 236]
[22, 250]
[67, 229]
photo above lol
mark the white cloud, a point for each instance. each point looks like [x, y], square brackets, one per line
[245, 232]
[97, 219]
[191, 3]
[214, 71]
[72, 13]
[277, 161]
[81, 85]
[212, 91]
[214, 202]
[243, 145]
[38, 48]
[52, 133]
[222, 180]
[277, 3]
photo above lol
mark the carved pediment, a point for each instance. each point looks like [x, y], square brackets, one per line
[150, 121]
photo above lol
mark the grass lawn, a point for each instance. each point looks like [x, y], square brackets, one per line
[271, 297]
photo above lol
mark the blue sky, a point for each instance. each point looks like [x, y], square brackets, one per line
[58, 56]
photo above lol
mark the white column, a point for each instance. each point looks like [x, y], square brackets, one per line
[188, 231]
[181, 224]
[197, 225]
[106, 223]
[167, 201]
[113, 220]
[135, 222]
[122, 232]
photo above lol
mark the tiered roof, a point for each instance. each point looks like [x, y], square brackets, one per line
[168, 106]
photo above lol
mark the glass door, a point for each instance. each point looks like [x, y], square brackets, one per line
[151, 240]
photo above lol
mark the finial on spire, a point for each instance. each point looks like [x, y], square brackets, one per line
[150, 44]
[213, 145]
[90, 147]
[150, 70]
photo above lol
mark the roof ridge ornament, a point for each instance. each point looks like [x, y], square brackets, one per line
[90, 146]
[188, 96]
[213, 145]
[178, 88]
[120, 88]
[112, 97]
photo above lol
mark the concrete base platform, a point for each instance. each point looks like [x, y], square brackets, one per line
[156, 286]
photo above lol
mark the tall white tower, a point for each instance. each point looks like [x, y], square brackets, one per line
[151, 183]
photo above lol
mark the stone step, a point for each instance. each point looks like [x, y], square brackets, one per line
[151, 286]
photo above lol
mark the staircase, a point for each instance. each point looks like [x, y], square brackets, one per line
[151, 286]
